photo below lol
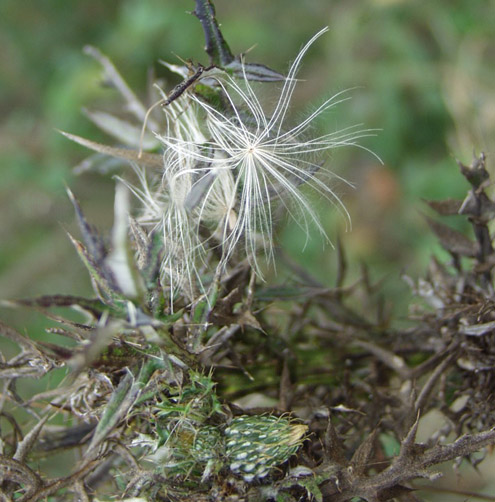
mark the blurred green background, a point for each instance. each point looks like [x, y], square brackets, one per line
[421, 72]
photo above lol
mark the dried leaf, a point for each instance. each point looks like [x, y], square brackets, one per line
[478, 206]
[477, 329]
[113, 77]
[364, 454]
[145, 159]
[142, 241]
[119, 261]
[452, 240]
[26, 365]
[65, 438]
[89, 352]
[123, 131]
[102, 279]
[334, 447]
[447, 207]
[476, 173]
[92, 240]
[387, 357]
[94, 307]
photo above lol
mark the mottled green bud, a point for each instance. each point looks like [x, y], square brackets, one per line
[256, 444]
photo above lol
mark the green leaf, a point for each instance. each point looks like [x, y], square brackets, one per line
[120, 403]
[310, 483]
[253, 71]
[390, 445]
[122, 400]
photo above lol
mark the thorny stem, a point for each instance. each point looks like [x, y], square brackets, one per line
[411, 463]
[476, 202]
[216, 46]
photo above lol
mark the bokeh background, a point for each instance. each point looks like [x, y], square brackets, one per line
[422, 73]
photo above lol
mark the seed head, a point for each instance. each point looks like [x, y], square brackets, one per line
[253, 162]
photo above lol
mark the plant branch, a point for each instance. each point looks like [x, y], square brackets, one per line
[412, 462]
[216, 46]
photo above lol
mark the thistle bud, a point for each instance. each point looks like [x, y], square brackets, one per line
[256, 444]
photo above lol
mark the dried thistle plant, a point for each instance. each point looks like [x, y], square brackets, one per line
[183, 334]
[227, 167]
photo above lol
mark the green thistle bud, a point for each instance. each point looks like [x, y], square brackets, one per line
[254, 445]
[190, 452]
[206, 443]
